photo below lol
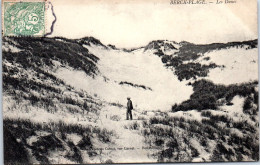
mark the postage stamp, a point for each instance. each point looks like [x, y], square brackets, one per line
[23, 18]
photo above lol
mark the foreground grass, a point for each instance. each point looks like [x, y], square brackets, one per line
[50, 138]
[217, 138]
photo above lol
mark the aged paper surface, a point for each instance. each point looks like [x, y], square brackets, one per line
[128, 81]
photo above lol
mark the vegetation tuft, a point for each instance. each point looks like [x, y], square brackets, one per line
[207, 95]
[50, 137]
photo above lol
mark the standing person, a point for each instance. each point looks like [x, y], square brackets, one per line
[129, 108]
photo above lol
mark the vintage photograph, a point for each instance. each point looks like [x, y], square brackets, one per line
[129, 81]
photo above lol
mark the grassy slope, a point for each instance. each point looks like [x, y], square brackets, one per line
[183, 60]
[30, 88]
[214, 138]
[207, 95]
[50, 139]
[224, 134]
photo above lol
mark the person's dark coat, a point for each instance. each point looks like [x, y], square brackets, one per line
[129, 105]
[129, 109]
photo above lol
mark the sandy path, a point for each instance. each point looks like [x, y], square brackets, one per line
[131, 141]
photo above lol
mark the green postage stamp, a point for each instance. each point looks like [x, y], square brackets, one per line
[23, 18]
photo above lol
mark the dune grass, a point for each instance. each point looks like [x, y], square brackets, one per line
[52, 139]
[176, 136]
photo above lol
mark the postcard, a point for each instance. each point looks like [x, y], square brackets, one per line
[130, 81]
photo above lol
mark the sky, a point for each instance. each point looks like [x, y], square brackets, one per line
[134, 23]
